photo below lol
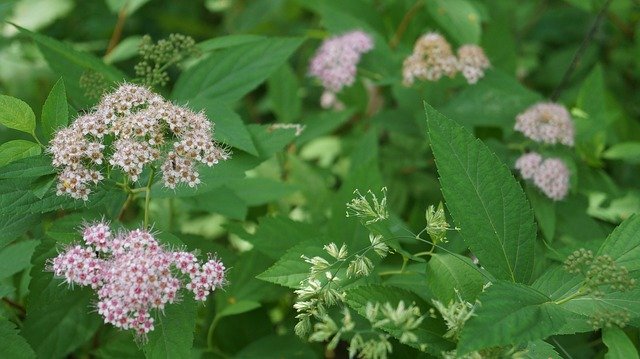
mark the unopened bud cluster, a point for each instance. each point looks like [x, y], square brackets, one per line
[321, 289]
[433, 58]
[369, 210]
[134, 275]
[601, 272]
[135, 128]
[455, 314]
[548, 123]
[156, 57]
[93, 84]
[607, 319]
[335, 63]
[550, 175]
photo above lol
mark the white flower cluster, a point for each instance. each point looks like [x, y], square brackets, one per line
[548, 123]
[135, 128]
[368, 210]
[550, 175]
[433, 58]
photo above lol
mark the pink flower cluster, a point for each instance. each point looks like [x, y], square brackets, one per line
[140, 123]
[548, 123]
[550, 175]
[433, 58]
[133, 274]
[335, 63]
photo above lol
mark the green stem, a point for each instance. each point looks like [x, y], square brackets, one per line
[580, 292]
[147, 197]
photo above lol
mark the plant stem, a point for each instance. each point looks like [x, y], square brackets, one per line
[147, 197]
[580, 292]
[117, 31]
[15, 305]
[404, 23]
[583, 47]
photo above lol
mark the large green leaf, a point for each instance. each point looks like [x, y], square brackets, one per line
[277, 347]
[59, 319]
[290, 270]
[229, 74]
[447, 273]
[16, 257]
[16, 114]
[431, 330]
[623, 244]
[13, 345]
[16, 150]
[486, 202]
[173, 333]
[72, 64]
[34, 166]
[459, 18]
[283, 92]
[619, 344]
[55, 111]
[510, 313]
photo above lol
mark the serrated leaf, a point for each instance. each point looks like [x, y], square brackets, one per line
[13, 345]
[16, 114]
[283, 92]
[17, 149]
[55, 111]
[431, 330]
[229, 74]
[173, 333]
[484, 199]
[291, 269]
[459, 18]
[510, 313]
[276, 235]
[33, 166]
[447, 273]
[258, 191]
[625, 151]
[59, 319]
[539, 349]
[623, 244]
[278, 347]
[619, 344]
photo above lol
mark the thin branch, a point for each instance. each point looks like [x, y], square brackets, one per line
[15, 305]
[583, 47]
[117, 31]
[395, 40]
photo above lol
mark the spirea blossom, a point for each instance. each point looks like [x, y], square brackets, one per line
[431, 59]
[548, 123]
[335, 63]
[550, 175]
[135, 128]
[133, 274]
[472, 62]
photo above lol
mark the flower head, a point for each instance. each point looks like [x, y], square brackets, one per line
[431, 59]
[143, 129]
[550, 175]
[528, 164]
[472, 62]
[133, 274]
[548, 123]
[335, 63]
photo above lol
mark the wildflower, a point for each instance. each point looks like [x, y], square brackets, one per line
[378, 245]
[335, 63]
[369, 211]
[472, 62]
[455, 314]
[431, 59]
[437, 225]
[143, 129]
[548, 123]
[550, 175]
[134, 275]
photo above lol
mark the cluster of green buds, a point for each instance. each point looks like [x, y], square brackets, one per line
[157, 57]
[455, 314]
[369, 210]
[321, 289]
[601, 272]
[93, 84]
[607, 319]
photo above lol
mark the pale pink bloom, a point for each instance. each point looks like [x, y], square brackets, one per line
[528, 164]
[548, 123]
[472, 62]
[431, 59]
[552, 177]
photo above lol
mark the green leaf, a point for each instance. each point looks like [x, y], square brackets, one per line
[459, 18]
[625, 151]
[449, 272]
[72, 64]
[623, 244]
[540, 349]
[510, 313]
[283, 92]
[16, 150]
[33, 166]
[229, 74]
[277, 347]
[173, 333]
[55, 111]
[13, 345]
[16, 257]
[544, 211]
[59, 319]
[290, 270]
[484, 199]
[619, 344]
[493, 101]
[429, 332]
[239, 307]
[16, 114]
[258, 191]
[128, 6]
[276, 235]
[222, 42]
